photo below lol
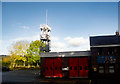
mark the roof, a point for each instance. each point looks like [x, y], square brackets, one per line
[105, 41]
[66, 54]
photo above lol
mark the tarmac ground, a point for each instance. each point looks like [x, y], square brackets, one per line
[33, 77]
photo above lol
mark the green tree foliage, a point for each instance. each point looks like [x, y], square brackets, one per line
[34, 52]
[18, 52]
[23, 53]
[6, 61]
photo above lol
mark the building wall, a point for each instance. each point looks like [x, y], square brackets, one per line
[98, 54]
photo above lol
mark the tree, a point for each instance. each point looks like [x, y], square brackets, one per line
[34, 51]
[6, 61]
[18, 52]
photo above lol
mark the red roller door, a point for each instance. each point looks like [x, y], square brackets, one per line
[73, 67]
[48, 67]
[57, 67]
[81, 70]
[85, 60]
[86, 70]
[85, 66]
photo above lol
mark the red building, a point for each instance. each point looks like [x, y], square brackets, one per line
[73, 64]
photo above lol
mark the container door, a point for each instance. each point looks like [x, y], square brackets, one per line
[48, 67]
[81, 70]
[73, 67]
[85, 60]
[57, 67]
[85, 65]
[86, 70]
[81, 73]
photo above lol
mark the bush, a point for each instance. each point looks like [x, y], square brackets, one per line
[5, 64]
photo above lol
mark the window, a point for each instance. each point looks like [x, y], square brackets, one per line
[51, 68]
[101, 69]
[111, 69]
[100, 51]
[80, 67]
[75, 67]
[70, 68]
[110, 51]
[47, 68]
[86, 68]
[60, 68]
[55, 68]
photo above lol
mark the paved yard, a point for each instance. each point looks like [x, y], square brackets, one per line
[33, 77]
[21, 76]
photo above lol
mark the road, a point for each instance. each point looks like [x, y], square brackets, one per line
[33, 77]
[21, 76]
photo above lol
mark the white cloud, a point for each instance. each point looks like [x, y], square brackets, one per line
[69, 44]
[57, 45]
[0, 47]
[54, 38]
[0, 42]
[24, 27]
[32, 38]
[76, 42]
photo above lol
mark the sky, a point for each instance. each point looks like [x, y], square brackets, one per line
[72, 23]
[60, 0]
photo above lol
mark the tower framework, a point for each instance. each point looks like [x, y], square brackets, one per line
[45, 37]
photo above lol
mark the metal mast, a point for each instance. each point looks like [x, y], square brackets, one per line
[44, 36]
[119, 16]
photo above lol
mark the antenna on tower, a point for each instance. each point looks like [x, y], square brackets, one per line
[119, 16]
[45, 36]
[46, 16]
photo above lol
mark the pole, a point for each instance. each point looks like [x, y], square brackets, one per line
[46, 17]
